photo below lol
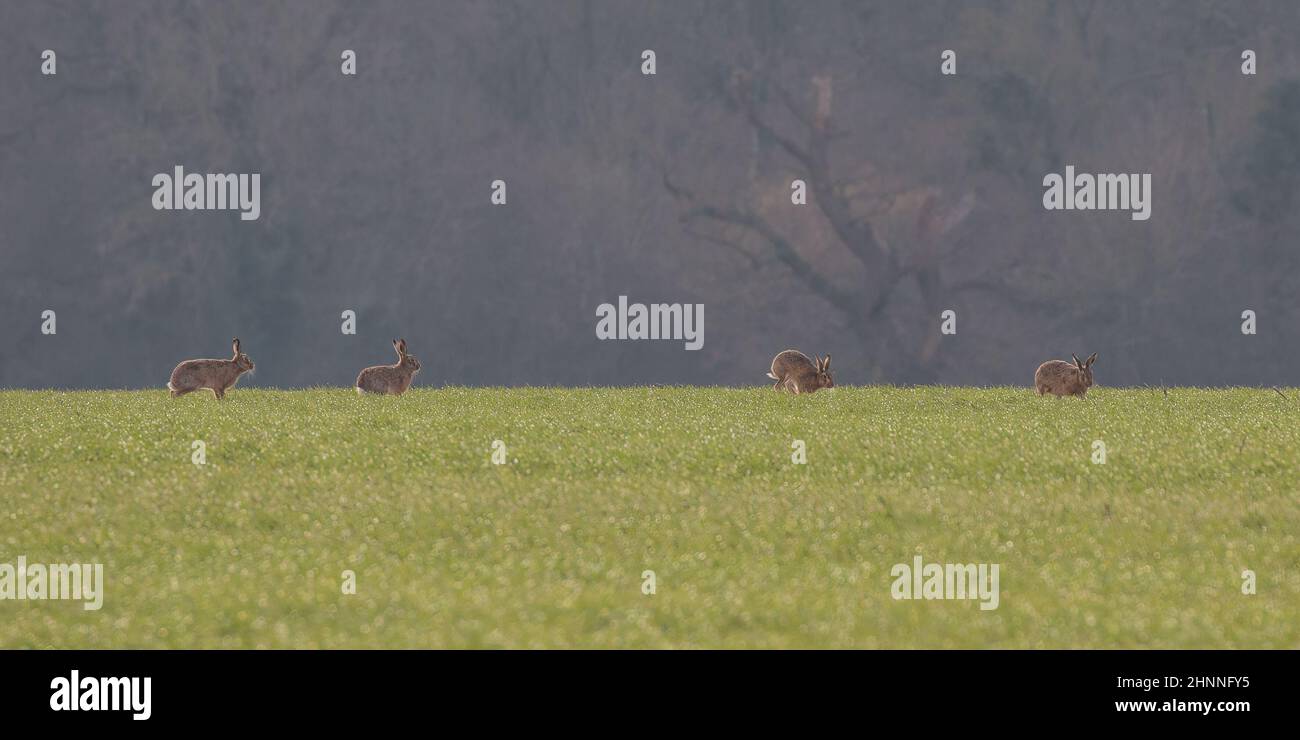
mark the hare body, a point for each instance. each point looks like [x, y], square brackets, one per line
[1061, 378]
[217, 376]
[797, 373]
[390, 379]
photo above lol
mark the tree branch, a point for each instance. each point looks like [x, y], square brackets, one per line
[743, 95]
[782, 248]
[734, 246]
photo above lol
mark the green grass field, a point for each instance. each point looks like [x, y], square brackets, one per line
[696, 484]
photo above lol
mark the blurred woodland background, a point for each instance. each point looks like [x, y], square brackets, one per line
[925, 191]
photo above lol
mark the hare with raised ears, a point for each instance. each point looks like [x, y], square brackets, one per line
[217, 376]
[794, 371]
[390, 379]
[1061, 378]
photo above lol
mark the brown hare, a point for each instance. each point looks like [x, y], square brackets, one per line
[390, 379]
[1061, 378]
[217, 376]
[795, 372]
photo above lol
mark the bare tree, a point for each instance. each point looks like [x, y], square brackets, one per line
[931, 225]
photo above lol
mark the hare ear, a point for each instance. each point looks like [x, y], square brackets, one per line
[235, 343]
[1077, 362]
[1091, 359]
[401, 346]
[397, 346]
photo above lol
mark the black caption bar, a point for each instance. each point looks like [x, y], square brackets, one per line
[239, 689]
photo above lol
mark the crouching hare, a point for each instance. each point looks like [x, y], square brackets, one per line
[1060, 378]
[390, 379]
[217, 376]
[795, 372]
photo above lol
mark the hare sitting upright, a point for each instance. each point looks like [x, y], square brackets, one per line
[390, 379]
[1060, 378]
[795, 372]
[217, 376]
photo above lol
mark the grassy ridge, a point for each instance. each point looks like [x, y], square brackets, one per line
[694, 483]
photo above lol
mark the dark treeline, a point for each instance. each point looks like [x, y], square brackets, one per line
[924, 191]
